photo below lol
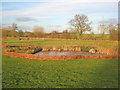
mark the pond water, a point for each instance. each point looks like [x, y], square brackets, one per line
[66, 53]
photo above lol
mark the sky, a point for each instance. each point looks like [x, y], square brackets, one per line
[55, 15]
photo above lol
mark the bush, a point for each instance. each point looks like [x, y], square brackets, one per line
[114, 35]
[87, 37]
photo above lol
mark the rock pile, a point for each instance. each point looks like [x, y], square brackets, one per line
[78, 49]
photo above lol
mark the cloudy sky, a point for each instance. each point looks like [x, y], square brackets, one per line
[55, 15]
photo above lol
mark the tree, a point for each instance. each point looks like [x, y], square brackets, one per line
[54, 32]
[9, 28]
[80, 24]
[103, 29]
[13, 33]
[38, 31]
[14, 27]
[31, 35]
[4, 33]
[20, 33]
[65, 31]
[113, 30]
[66, 34]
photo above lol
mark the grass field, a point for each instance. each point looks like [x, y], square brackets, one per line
[58, 42]
[83, 73]
[106, 36]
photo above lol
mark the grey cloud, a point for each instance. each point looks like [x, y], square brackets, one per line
[5, 24]
[25, 19]
[110, 21]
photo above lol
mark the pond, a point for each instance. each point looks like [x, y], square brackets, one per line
[66, 53]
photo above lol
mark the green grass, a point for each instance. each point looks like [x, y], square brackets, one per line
[26, 34]
[39, 42]
[82, 73]
[99, 35]
[106, 36]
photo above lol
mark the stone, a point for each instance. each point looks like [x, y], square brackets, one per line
[45, 49]
[92, 50]
[77, 49]
[59, 49]
[71, 49]
[54, 49]
[65, 49]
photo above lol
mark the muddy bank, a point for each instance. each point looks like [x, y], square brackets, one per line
[60, 57]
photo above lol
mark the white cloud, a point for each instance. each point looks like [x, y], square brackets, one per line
[64, 8]
[50, 9]
[60, 1]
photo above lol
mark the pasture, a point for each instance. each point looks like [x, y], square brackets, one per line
[59, 42]
[103, 46]
[59, 45]
[83, 73]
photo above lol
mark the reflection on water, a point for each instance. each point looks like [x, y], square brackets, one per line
[66, 53]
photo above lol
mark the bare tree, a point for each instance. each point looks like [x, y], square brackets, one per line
[102, 28]
[20, 33]
[38, 31]
[80, 24]
[113, 31]
[66, 34]
[14, 26]
[54, 32]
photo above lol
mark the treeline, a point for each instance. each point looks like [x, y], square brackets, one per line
[79, 25]
[113, 35]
